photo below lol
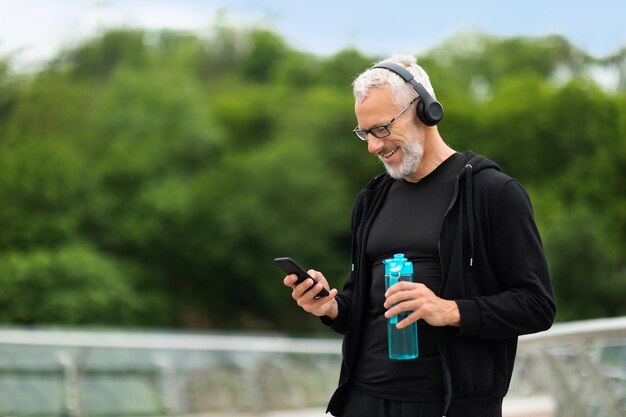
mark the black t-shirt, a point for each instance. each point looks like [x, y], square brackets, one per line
[409, 222]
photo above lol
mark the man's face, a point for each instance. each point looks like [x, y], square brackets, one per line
[401, 152]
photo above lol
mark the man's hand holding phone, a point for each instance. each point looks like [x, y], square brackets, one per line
[309, 290]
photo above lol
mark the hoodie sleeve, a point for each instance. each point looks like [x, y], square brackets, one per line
[526, 302]
[344, 298]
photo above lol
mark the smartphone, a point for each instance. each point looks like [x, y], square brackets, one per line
[289, 266]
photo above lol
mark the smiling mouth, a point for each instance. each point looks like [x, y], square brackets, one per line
[388, 154]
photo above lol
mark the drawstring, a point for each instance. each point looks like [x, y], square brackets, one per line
[469, 207]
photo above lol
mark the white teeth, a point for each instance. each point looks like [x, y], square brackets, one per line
[388, 154]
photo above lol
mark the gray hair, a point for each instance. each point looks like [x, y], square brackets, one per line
[401, 91]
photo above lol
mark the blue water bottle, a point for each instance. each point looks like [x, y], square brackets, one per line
[402, 342]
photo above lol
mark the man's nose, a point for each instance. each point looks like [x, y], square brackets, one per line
[374, 144]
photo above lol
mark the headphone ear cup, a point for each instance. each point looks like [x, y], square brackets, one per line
[430, 114]
[435, 112]
[421, 113]
[420, 110]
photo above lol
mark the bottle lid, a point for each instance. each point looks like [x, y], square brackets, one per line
[398, 265]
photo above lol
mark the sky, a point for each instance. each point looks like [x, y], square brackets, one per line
[35, 30]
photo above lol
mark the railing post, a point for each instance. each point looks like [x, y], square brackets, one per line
[565, 397]
[252, 382]
[601, 390]
[168, 381]
[72, 398]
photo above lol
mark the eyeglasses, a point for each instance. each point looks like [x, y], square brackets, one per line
[380, 131]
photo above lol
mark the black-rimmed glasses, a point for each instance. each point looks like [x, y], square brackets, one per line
[380, 131]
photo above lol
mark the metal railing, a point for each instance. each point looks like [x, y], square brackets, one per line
[86, 373]
[581, 365]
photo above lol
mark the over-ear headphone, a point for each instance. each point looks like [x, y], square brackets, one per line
[429, 110]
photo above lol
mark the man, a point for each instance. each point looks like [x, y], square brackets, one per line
[481, 277]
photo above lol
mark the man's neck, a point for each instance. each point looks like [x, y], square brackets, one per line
[435, 152]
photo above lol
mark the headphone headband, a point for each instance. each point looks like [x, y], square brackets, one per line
[429, 110]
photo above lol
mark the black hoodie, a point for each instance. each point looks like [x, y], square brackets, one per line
[492, 265]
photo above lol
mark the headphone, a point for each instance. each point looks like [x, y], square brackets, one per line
[429, 110]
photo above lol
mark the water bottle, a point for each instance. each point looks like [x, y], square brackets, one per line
[402, 342]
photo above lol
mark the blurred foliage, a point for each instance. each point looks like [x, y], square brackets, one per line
[149, 178]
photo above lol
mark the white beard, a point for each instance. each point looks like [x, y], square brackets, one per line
[412, 154]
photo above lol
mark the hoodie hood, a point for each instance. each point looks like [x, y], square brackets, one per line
[479, 162]
[473, 164]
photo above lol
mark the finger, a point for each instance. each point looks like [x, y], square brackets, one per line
[323, 300]
[310, 294]
[318, 276]
[302, 290]
[319, 306]
[407, 321]
[406, 291]
[398, 308]
[400, 286]
[319, 287]
[393, 311]
[290, 280]
[400, 296]
[307, 300]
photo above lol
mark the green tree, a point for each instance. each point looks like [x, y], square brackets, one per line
[149, 178]
[70, 285]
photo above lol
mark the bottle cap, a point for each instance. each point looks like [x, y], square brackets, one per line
[399, 264]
